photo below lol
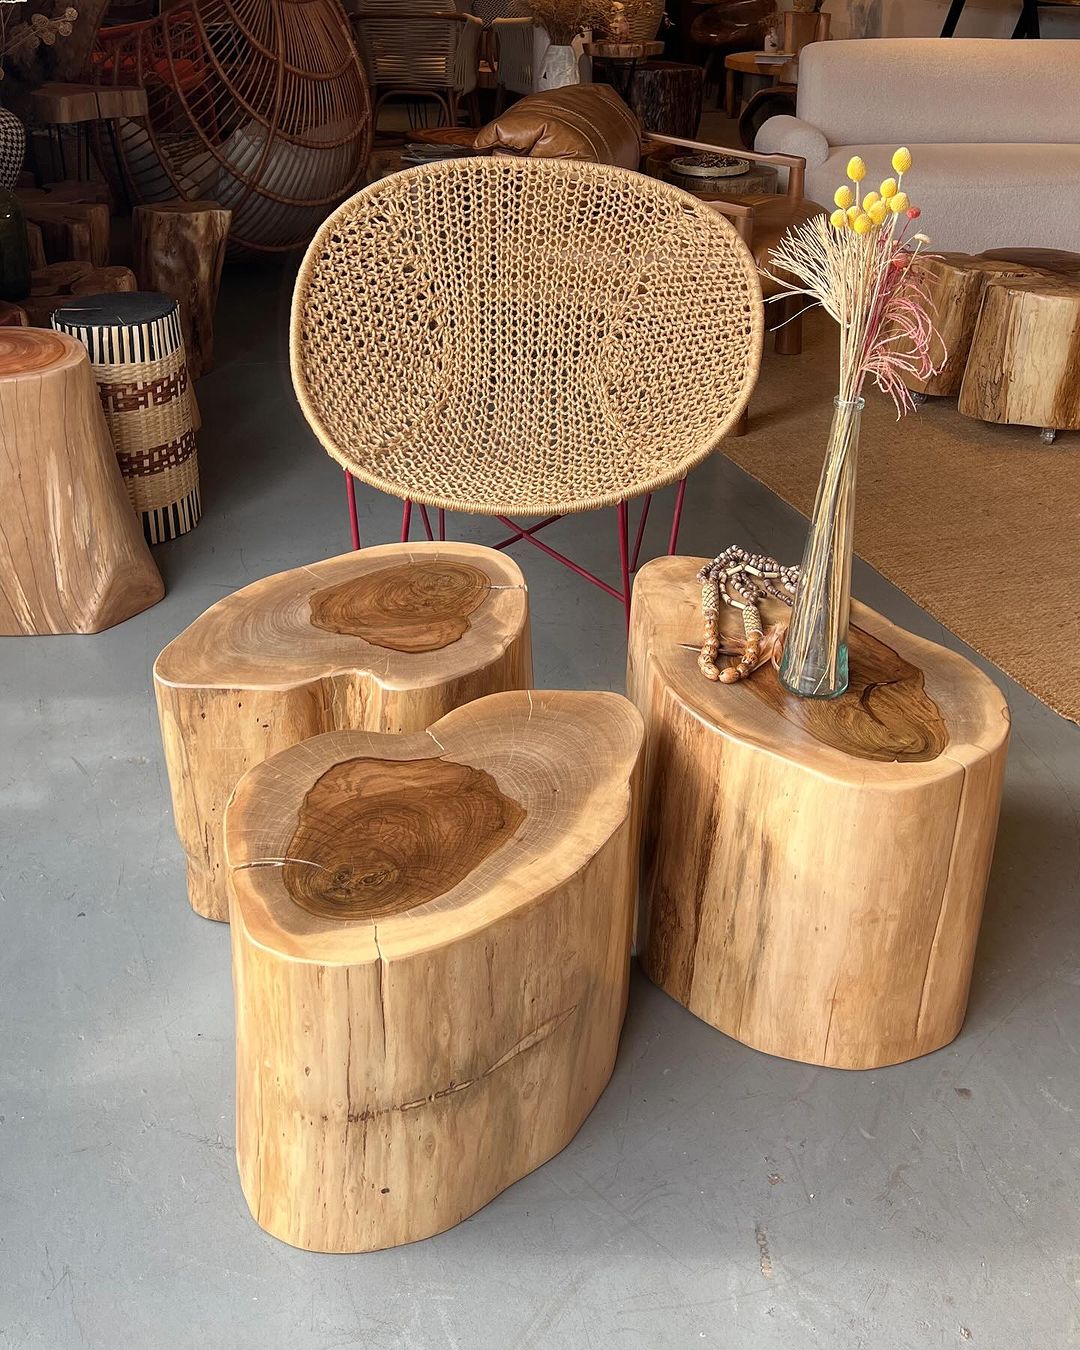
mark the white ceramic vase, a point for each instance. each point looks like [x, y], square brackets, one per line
[559, 67]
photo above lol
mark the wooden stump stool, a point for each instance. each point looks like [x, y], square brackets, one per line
[666, 96]
[137, 353]
[72, 556]
[431, 945]
[384, 639]
[179, 248]
[1024, 365]
[814, 871]
[955, 283]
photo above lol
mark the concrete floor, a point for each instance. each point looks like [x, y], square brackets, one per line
[714, 1197]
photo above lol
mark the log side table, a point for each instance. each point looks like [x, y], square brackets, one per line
[813, 871]
[431, 951]
[382, 639]
[72, 556]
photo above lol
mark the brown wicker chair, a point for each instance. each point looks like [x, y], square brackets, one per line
[424, 48]
[524, 337]
[260, 105]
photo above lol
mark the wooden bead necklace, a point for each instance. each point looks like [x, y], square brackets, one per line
[742, 580]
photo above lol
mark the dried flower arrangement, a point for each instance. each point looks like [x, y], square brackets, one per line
[857, 264]
[564, 20]
[20, 41]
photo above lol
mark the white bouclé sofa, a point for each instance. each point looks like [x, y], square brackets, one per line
[993, 126]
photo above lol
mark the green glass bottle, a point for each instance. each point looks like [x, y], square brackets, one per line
[14, 254]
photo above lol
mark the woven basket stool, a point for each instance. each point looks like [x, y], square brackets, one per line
[136, 348]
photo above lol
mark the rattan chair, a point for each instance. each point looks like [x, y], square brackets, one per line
[259, 105]
[514, 337]
[424, 48]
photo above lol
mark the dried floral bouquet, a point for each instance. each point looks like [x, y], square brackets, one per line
[858, 265]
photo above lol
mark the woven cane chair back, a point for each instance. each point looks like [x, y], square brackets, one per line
[417, 52]
[504, 336]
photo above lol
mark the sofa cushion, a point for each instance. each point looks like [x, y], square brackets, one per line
[976, 197]
[581, 121]
[899, 90]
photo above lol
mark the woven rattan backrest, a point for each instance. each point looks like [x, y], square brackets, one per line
[411, 53]
[495, 335]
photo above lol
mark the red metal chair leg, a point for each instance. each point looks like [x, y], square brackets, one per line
[406, 520]
[640, 531]
[350, 497]
[427, 523]
[442, 525]
[624, 556]
[676, 519]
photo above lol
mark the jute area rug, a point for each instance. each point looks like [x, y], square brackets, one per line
[979, 524]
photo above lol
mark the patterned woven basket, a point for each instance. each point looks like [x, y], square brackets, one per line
[137, 353]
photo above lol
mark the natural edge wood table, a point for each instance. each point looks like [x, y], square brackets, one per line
[431, 946]
[382, 639]
[814, 871]
[72, 555]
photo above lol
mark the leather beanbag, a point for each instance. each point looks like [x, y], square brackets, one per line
[581, 121]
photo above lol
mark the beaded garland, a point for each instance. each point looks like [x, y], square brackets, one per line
[742, 580]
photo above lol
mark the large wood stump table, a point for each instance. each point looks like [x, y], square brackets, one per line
[383, 639]
[1023, 368]
[72, 556]
[431, 944]
[955, 283]
[179, 248]
[814, 871]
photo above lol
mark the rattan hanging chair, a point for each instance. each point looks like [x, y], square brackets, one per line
[260, 105]
[517, 336]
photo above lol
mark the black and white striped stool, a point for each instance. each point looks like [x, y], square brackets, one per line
[136, 350]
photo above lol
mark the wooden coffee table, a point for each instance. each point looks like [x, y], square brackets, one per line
[763, 64]
[813, 872]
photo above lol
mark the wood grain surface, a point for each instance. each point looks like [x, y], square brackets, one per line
[292, 655]
[72, 555]
[397, 1068]
[810, 899]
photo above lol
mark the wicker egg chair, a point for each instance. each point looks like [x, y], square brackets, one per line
[514, 337]
[260, 105]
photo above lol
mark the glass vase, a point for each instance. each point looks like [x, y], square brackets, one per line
[815, 660]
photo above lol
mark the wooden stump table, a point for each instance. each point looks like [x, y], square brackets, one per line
[72, 556]
[383, 639]
[955, 283]
[1023, 368]
[179, 248]
[814, 871]
[431, 944]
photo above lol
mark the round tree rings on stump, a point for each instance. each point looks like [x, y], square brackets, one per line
[431, 945]
[384, 639]
[814, 870]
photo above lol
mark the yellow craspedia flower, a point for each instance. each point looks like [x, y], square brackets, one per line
[853, 214]
[862, 224]
[888, 188]
[856, 169]
[869, 200]
[838, 220]
[877, 211]
[899, 202]
[843, 196]
[901, 160]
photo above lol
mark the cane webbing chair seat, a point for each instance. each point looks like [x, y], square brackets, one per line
[505, 336]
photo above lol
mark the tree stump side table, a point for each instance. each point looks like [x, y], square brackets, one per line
[955, 283]
[431, 948]
[1024, 365]
[814, 872]
[383, 639]
[179, 248]
[72, 556]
